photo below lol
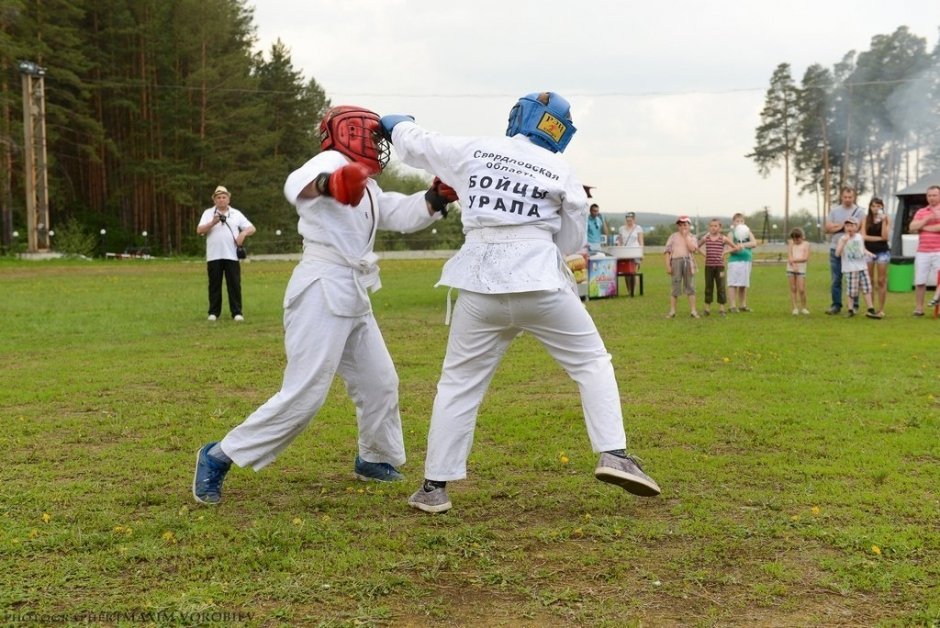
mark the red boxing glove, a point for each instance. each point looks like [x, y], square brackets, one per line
[348, 184]
[443, 190]
[439, 195]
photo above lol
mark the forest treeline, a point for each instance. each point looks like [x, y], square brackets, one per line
[871, 121]
[149, 104]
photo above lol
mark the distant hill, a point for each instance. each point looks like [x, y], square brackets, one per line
[650, 219]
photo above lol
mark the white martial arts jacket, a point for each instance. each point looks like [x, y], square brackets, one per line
[338, 239]
[523, 209]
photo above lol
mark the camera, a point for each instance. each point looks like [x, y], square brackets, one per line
[222, 217]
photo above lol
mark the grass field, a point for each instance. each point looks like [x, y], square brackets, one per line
[799, 459]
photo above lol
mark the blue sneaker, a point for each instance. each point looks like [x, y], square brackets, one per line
[208, 478]
[376, 471]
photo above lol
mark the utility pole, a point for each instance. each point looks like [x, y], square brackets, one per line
[765, 231]
[37, 180]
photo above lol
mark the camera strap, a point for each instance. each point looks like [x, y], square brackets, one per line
[232, 232]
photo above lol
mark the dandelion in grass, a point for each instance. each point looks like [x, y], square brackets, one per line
[795, 518]
[297, 521]
[46, 517]
[815, 510]
[725, 360]
[563, 459]
[325, 519]
[876, 550]
[33, 533]
[169, 537]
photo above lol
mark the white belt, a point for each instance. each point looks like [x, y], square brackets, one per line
[365, 266]
[510, 233]
[507, 234]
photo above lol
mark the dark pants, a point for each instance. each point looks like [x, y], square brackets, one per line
[233, 281]
[715, 279]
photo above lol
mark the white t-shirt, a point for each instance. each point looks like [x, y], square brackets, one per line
[630, 237]
[853, 254]
[220, 241]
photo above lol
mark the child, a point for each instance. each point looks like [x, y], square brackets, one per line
[739, 263]
[797, 257]
[679, 249]
[851, 248]
[715, 243]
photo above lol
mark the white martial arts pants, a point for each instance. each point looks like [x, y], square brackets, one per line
[320, 344]
[482, 328]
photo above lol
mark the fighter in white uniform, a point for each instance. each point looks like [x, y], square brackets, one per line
[329, 327]
[522, 211]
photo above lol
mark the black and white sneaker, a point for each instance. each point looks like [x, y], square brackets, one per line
[627, 474]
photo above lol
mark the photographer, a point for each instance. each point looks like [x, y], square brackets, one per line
[225, 229]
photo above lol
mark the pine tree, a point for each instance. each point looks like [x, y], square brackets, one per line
[11, 132]
[776, 137]
[886, 93]
[931, 113]
[812, 158]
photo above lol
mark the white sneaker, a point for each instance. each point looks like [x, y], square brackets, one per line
[804, 311]
[796, 312]
[212, 317]
[239, 318]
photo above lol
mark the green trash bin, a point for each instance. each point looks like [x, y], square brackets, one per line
[901, 274]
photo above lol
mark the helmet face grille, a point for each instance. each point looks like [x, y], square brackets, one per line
[354, 132]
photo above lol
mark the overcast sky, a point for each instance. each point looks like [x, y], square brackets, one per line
[665, 96]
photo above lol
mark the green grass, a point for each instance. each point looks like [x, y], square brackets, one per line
[799, 459]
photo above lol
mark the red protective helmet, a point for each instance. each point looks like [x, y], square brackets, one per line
[355, 132]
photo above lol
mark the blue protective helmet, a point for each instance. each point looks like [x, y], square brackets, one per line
[544, 118]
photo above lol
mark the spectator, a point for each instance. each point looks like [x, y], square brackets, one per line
[225, 229]
[679, 265]
[876, 231]
[797, 260]
[716, 245]
[835, 227]
[596, 229]
[631, 234]
[739, 263]
[926, 222]
[851, 248]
